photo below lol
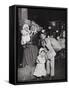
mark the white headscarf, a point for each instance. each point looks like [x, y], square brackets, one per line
[25, 26]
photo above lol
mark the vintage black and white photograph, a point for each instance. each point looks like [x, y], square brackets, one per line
[41, 44]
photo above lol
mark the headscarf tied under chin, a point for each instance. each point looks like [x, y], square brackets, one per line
[42, 49]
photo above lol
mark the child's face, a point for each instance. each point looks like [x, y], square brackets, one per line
[42, 53]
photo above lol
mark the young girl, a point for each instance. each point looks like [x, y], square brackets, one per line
[25, 34]
[40, 67]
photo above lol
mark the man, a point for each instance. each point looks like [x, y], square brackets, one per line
[46, 43]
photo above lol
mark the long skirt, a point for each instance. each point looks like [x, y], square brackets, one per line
[29, 60]
[30, 55]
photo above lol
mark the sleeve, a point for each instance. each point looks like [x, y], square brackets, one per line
[37, 60]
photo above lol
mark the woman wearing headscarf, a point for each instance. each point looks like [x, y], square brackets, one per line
[30, 52]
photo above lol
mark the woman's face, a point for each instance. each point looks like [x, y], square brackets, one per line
[25, 27]
[42, 36]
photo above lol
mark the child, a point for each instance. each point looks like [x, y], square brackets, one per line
[25, 34]
[40, 67]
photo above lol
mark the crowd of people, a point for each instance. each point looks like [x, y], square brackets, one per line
[38, 61]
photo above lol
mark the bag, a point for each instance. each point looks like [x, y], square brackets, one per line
[55, 44]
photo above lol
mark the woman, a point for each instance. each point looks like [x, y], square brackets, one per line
[30, 52]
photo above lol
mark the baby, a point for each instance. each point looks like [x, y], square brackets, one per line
[25, 34]
[40, 67]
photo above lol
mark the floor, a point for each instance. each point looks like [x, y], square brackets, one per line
[60, 69]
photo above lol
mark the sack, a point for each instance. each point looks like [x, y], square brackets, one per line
[55, 44]
[51, 54]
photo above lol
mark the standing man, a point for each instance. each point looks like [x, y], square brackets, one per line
[50, 64]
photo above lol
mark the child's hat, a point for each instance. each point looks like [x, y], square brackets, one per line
[42, 49]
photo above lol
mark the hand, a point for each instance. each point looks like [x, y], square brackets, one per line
[49, 55]
[37, 61]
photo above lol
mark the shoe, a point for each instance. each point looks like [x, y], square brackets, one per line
[47, 77]
[51, 78]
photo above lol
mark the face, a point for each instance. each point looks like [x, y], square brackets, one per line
[43, 43]
[42, 53]
[42, 36]
[25, 27]
[33, 28]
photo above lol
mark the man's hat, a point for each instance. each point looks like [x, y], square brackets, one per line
[43, 31]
